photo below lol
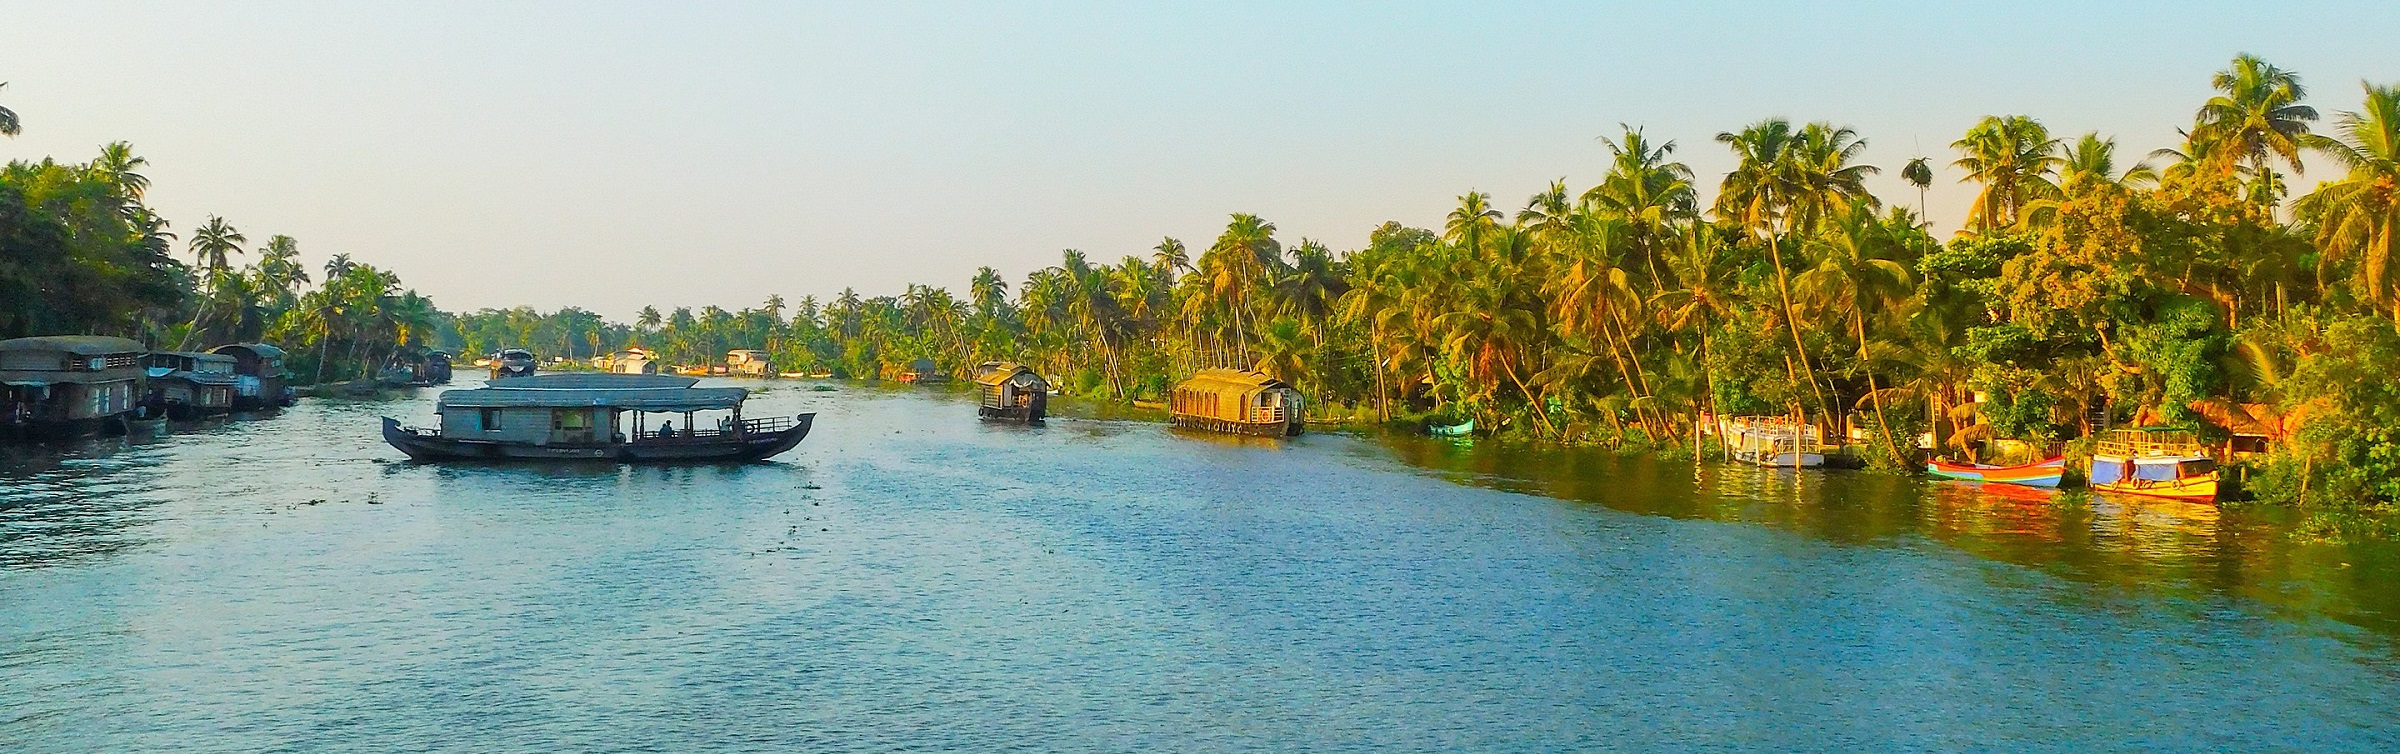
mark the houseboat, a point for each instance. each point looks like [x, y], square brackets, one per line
[259, 378]
[62, 386]
[923, 372]
[747, 362]
[1011, 392]
[436, 368]
[1773, 441]
[2155, 462]
[602, 417]
[186, 385]
[1236, 401]
[629, 361]
[511, 363]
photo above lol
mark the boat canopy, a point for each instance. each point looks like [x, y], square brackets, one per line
[992, 373]
[633, 392]
[262, 350]
[1239, 382]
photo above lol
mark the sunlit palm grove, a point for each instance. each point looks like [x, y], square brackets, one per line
[2088, 289]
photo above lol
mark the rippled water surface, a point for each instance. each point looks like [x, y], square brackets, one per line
[911, 579]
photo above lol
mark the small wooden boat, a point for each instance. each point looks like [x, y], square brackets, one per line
[585, 417]
[2156, 463]
[1460, 429]
[1773, 441]
[1011, 392]
[2041, 474]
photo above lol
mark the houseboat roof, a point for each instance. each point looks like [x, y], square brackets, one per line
[637, 392]
[1238, 381]
[80, 345]
[995, 372]
[262, 349]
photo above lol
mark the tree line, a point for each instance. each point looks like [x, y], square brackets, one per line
[2088, 289]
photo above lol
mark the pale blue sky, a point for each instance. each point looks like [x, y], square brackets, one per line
[615, 155]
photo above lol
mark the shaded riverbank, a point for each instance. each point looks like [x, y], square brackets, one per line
[910, 577]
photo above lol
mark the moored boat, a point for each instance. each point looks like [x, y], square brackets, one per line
[2039, 474]
[2155, 462]
[512, 363]
[1773, 441]
[1461, 429]
[1011, 392]
[599, 417]
[1236, 401]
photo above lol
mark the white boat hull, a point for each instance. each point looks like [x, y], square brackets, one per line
[1782, 460]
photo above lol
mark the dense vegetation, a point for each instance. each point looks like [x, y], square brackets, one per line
[2088, 289]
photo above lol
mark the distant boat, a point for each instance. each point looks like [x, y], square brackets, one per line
[1011, 392]
[595, 417]
[1236, 401]
[2041, 474]
[511, 363]
[2156, 463]
[1461, 429]
[1773, 441]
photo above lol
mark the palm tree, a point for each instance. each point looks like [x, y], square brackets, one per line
[988, 291]
[9, 126]
[1646, 189]
[2358, 216]
[2093, 161]
[2013, 157]
[1919, 173]
[1171, 257]
[214, 242]
[1822, 175]
[116, 165]
[1855, 275]
[1705, 292]
[1757, 195]
[2257, 114]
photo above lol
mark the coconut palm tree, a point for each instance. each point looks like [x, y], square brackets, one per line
[1758, 195]
[1856, 273]
[214, 243]
[2358, 217]
[116, 165]
[1919, 173]
[2013, 157]
[2257, 114]
[1649, 191]
[9, 126]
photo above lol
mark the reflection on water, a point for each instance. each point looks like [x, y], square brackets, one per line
[2124, 541]
[911, 578]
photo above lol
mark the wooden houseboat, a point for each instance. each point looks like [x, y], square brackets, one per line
[1773, 441]
[2155, 462]
[922, 372]
[63, 386]
[1236, 401]
[435, 369]
[634, 360]
[747, 362]
[512, 363]
[600, 417]
[188, 385]
[1011, 391]
[259, 378]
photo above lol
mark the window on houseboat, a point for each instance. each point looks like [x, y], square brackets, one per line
[2201, 467]
[570, 420]
[490, 419]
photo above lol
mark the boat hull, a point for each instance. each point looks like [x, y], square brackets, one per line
[1785, 460]
[1017, 414]
[2192, 490]
[2044, 474]
[426, 447]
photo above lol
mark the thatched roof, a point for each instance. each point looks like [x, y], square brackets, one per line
[1231, 382]
[80, 345]
[992, 373]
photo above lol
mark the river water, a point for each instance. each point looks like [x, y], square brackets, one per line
[912, 579]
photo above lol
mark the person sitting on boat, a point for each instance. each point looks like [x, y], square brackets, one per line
[666, 429]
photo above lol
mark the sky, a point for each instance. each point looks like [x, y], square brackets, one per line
[682, 154]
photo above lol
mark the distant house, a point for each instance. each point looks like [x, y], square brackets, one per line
[66, 385]
[922, 371]
[1237, 401]
[747, 362]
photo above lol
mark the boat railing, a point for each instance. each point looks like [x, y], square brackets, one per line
[2149, 448]
[1267, 415]
[768, 425]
